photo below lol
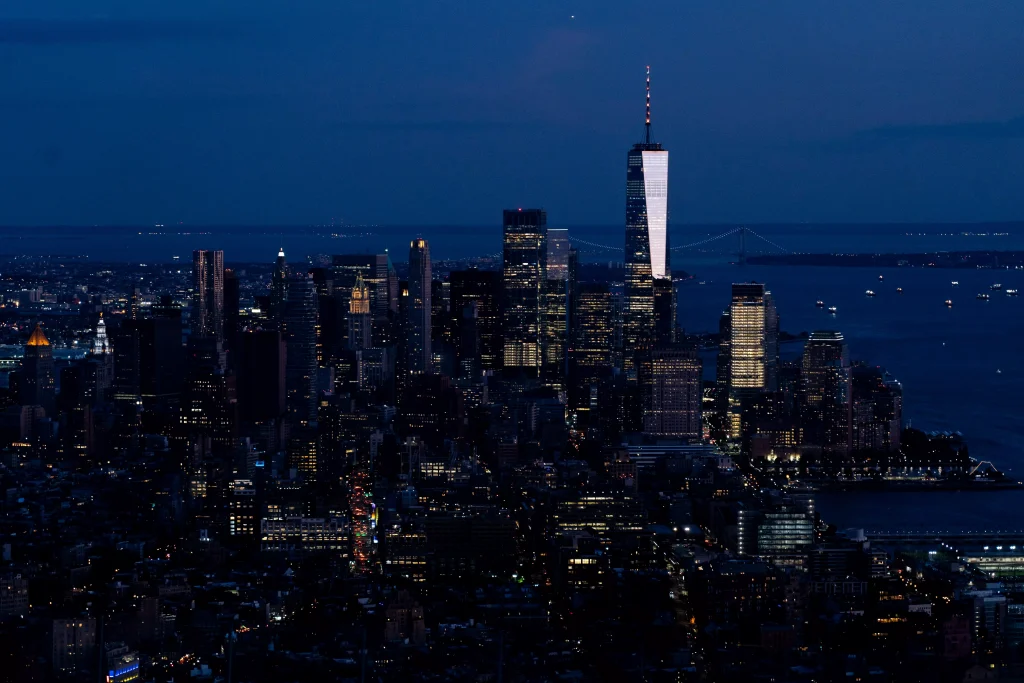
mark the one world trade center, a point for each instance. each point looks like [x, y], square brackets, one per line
[648, 288]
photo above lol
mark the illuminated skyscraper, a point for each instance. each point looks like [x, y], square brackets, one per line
[827, 392]
[557, 265]
[382, 281]
[555, 309]
[359, 321]
[278, 287]
[37, 387]
[592, 347]
[420, 311]
[753, 348]
[208, 294]
[554, 328]
[647, 247]
[525, 256]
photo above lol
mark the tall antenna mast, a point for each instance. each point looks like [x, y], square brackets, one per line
[647, 125]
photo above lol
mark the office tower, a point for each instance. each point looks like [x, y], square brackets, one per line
[208, 407]
[232, 308]
[380, 277]
[127, 370]
[877, 410]
[419, 313]
[37, 385]
[572, 280]
[524, 257]
[555, 310]
[73, 643]
[771, 342]
[482, 288]
[441, 312]
[360, 332]
[442, 335]
[331, 318]
[101, 369]
[647, 247]
[782, 533]
[75, 405]
[722, 362]
[753, 348]
[261, 386]
[208, 294]
[304, 453]
[278, 287]
[374, 368]
[299, 326]
[664, 330]
[676, 391]
[554, 326]
[827, 392]
[592, 345]
[557, 258]
[134, 302]
[467, 350]
[402, 343]
[161, 356]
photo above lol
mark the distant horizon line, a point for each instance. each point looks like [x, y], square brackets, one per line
[268, 226]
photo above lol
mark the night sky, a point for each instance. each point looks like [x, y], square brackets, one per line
[445, 111]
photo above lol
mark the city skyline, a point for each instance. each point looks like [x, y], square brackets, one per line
[636, 451]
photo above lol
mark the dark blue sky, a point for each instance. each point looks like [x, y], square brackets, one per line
[445, 111]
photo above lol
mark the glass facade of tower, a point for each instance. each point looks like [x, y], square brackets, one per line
[676, 391]
[525, 257]
[753, 348]
[420, 311]
[647, 244]
[754, 338]
[207, 317]
[300, 322]
[827, 391]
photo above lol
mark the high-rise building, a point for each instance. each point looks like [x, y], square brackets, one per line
[161, 361]
[647, 244]
[525, 255]
[208, 404]
[664, 330]
[380, 277]
[827, 392]
[676, 390]
[300, 326]
[360, 332]
[208, 294]
[261, 386]
[232, 308]
[753, 348]
[73, 644]
[554, 332]
[37, 385]
[420, 310]
[722, 362]
[278, 287]
[481, 288]
[557, 265]
[877, 421]
[592, 345]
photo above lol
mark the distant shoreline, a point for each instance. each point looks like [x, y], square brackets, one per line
[994, 260]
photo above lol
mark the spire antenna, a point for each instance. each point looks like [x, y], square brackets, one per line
[647, 125]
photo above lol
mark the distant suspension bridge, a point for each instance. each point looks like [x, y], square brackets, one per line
[740, 242]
